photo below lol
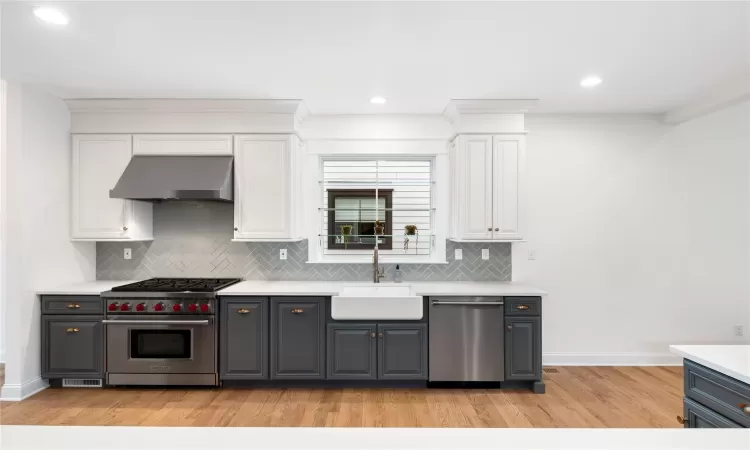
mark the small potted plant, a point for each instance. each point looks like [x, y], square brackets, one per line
[379, 227]
[410, 230]
[346, 231]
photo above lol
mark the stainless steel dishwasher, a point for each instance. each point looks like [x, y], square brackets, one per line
[466, 339]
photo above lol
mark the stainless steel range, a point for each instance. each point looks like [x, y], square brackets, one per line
[163, 331]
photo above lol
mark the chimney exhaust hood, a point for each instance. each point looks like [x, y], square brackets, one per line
[156, 178]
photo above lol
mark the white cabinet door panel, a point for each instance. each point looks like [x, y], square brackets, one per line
[506, 188]
[262, 187]
[182, 144]
[98, 162]
[476, 203]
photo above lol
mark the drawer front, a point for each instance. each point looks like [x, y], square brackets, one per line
[698, 416]
[523, 306]
[72, 304]
[717, 392]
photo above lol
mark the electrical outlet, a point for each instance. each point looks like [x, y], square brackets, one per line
[458, 255]
[485, 253]
[282, 253]
[532, 255]
[739, 330]
[128, 254]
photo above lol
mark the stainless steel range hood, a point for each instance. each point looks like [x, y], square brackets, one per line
[155, 178]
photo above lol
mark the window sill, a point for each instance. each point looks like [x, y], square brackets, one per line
[382, 260]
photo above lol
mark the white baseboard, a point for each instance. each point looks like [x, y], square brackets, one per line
[18, 392]
[611, 359]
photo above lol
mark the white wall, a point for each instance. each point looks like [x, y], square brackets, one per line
[642, 233]
[35, 209]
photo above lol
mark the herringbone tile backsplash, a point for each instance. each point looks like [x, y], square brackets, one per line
[193, 239]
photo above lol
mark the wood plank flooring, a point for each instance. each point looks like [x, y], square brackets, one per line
[596, 397]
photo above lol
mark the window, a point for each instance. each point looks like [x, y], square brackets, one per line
[385, 200]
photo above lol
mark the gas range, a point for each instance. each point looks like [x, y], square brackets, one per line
[163, 331]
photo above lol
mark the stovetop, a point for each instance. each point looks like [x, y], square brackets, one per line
[209, 285]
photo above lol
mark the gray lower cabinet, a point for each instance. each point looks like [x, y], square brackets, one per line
[244, 339]
[402, 351]
[523, 348]
[298, 338]
[698, 416]
[72, 346]
[352, 351]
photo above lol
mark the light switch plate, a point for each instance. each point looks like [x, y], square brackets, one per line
[485, 253]
[128, 254]
[282, 253]
[458, 254]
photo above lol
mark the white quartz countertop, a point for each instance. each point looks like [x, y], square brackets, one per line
[731, 360]
[86, 288]
[473, 288]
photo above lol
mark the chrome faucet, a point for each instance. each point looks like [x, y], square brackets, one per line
[377, 273]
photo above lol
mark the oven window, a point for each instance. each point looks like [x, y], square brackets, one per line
[173, 344]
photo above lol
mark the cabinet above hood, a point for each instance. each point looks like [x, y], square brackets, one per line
[156, 178]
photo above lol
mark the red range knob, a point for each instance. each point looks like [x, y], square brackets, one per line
[140, 307]
[159, 307]
[193, 307]
[124, 307]
[112, 307]
[176, 307]
[204, 307]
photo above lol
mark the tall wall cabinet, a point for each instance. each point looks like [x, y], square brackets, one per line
[487, 178]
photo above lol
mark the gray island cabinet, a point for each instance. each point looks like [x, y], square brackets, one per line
[72, 337]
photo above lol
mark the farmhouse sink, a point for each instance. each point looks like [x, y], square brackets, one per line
[382, 301]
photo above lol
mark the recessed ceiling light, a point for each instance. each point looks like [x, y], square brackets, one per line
[51, 15]
[377, 100]
[590, 81]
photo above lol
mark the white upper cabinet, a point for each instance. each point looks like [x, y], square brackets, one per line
[182, 144]
[98, 162]
[487, 183]
[264, 187]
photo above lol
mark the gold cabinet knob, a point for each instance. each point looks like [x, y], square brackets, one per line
[74, 306]
[522, 307]
[745, 407]
[243, 311]
[489, 229]
[682, 420]
[72, 330]
[298, 311]
[380, 335]
[124, 228]
[372, 335]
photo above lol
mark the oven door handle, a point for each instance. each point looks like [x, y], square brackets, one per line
[158, 322]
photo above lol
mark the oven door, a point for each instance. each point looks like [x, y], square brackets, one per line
[160, 344]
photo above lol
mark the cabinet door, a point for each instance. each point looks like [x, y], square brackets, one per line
[244, 339]
[351, 351]
[72, 347]
[98, 162]
[475, 203]
[262, 187]
[698, 416]
[297, 338]
[507, 164]
[182, 144]
[523, 348]
[402, 352]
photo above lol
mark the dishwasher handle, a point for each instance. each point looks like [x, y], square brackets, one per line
[442, 302]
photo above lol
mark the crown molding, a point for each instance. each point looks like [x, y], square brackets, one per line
[722, 96]
[188, 106]
[458, 107]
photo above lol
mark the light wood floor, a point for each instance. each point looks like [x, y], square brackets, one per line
[598, 397]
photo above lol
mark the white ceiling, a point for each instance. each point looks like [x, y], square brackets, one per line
[335, 56]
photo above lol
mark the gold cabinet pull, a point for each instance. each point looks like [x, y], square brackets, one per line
[72, 330]
[682, 420]
[522, 307]
[298, 311]
[73, 306]
[745, 407]
[243, 311]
